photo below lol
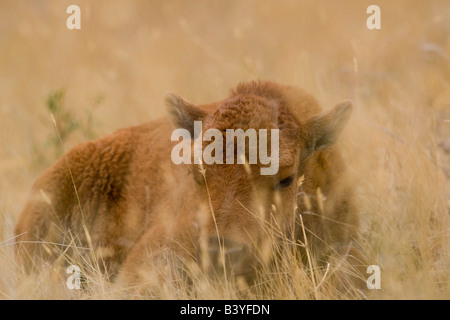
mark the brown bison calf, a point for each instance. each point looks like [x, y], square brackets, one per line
[123, 201]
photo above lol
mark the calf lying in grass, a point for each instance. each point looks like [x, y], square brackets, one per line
[122, 201]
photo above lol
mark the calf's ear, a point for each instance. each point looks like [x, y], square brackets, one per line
[324, 129]
[183, 113]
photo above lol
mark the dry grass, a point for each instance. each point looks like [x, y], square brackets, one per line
[130, 53]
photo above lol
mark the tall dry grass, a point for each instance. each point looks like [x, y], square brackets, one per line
[130, 53]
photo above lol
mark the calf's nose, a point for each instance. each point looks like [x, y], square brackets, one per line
[228, 255]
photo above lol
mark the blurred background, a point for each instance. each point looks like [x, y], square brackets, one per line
[115, 71]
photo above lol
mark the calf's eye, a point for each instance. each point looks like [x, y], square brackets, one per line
[286, 182]
[196, 179]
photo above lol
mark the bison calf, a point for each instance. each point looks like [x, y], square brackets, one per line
[122, 200]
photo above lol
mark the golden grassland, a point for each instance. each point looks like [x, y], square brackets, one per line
[114, 72]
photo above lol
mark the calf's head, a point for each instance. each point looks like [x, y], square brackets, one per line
[250, 185]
